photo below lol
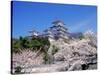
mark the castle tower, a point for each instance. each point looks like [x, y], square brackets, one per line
[59, 30]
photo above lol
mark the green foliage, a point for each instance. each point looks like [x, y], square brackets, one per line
[16, 46]
[25, 42]
[95, 46]
[36, 43]
[46, 58]
[49, 58]
[55, 49]
[81, 37]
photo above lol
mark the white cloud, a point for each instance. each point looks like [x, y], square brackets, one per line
[82, 25]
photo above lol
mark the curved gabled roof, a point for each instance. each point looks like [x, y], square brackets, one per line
[58, 21]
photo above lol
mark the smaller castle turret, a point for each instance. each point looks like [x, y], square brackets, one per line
[33, 33]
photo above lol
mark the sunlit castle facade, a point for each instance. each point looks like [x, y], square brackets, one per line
[57, 31]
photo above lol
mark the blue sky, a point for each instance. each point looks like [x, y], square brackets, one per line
[39, 16]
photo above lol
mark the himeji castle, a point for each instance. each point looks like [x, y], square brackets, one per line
[56, 31]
